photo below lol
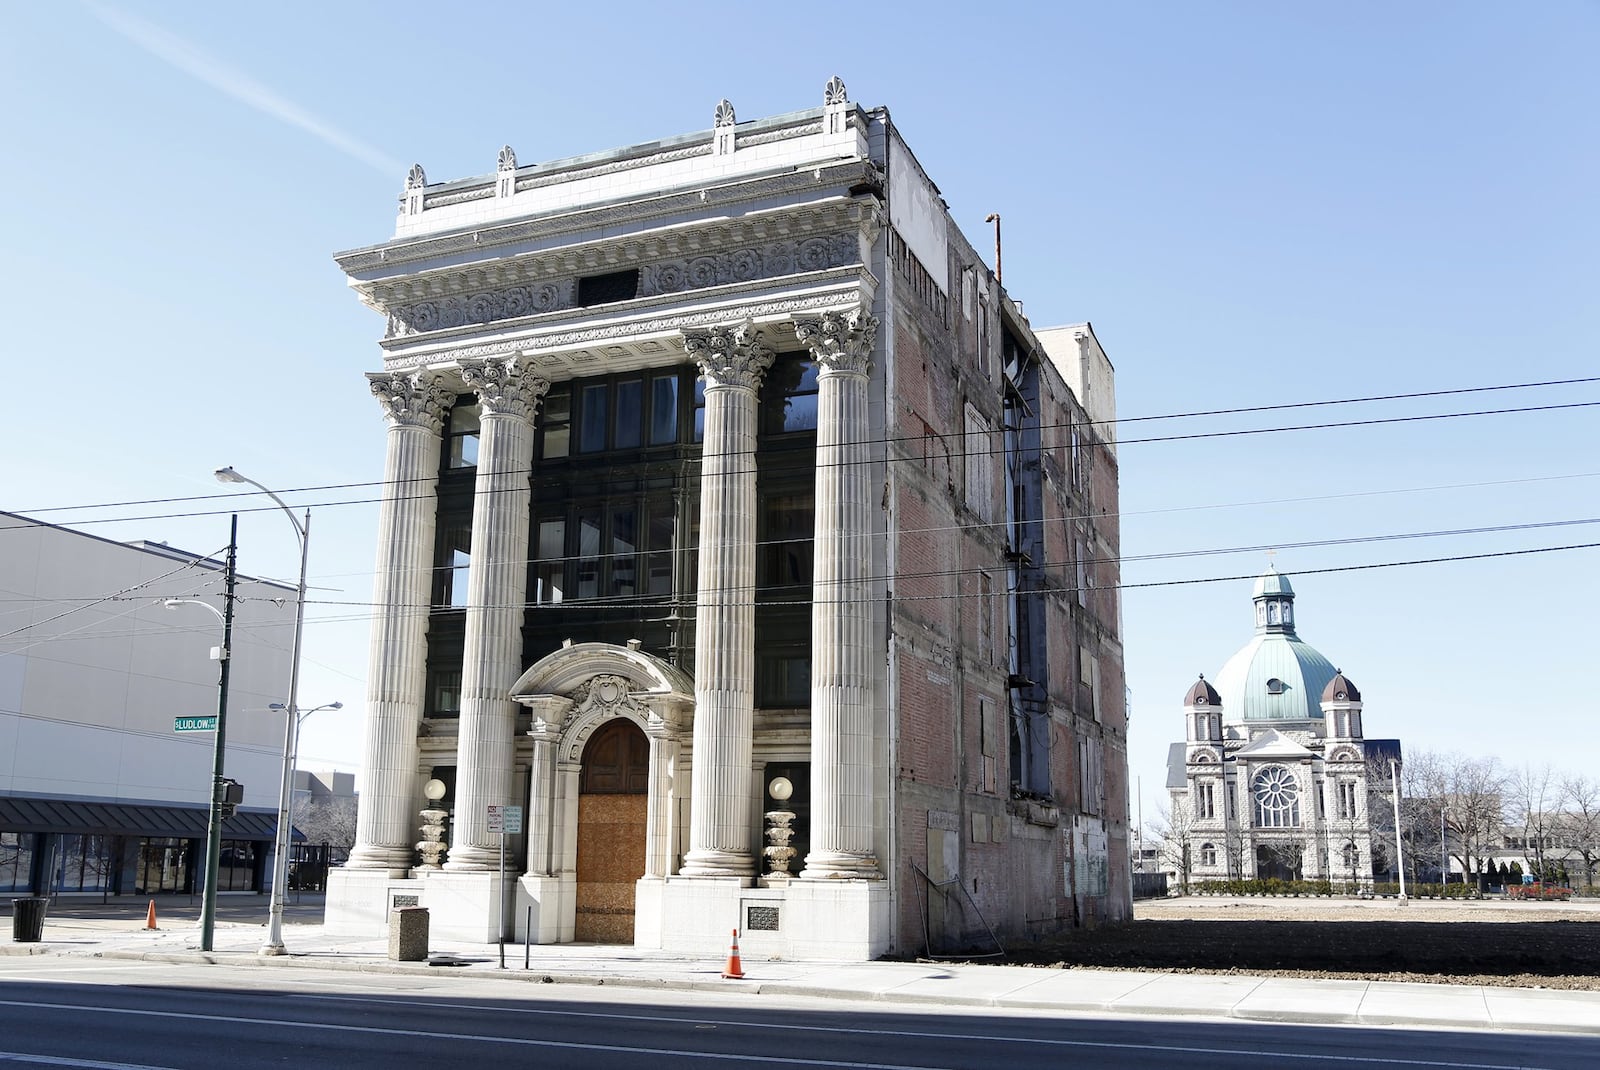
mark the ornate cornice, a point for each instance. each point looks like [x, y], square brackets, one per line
[394, 255]
[412, 400]
[729, 354]
[840, 341]
[503, 388]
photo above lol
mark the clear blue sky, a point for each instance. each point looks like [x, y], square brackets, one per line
[1254, 204]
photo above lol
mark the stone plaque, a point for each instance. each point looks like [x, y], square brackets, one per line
[761, 918]
[405, 901]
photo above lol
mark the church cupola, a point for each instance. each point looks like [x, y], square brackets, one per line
[1274, 600]
[1203, 709]
[1341, 707]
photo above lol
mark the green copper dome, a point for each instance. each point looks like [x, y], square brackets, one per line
[1276, 676]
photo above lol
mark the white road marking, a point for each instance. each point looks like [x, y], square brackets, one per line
[83, 1064]
[750, 1058]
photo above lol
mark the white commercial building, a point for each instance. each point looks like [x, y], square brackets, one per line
[98, 792]
[742, 533]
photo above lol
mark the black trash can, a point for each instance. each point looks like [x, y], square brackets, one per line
[27, 919]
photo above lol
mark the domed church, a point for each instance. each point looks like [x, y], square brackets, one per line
[1272, 778]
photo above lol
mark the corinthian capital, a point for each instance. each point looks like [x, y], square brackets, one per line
[412, 400]
[502, 387]
[729, 356]
[840, 341]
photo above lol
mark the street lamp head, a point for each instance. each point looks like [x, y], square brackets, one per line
[276, 706]
[335, 705]
[228, 475]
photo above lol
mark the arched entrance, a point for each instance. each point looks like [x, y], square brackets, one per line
[612, 805]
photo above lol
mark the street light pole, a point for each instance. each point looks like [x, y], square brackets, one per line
[1399, 848]
[219, 745]
[280, 864]
[296, 718]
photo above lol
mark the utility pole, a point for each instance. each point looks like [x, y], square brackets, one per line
[208, 907]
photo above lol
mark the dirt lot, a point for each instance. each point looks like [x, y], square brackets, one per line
[1548, 945]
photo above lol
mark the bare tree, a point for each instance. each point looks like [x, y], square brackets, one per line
[1467, 795]
[328, 820]
[1580, 801]
[1532, 806]
[1174, 828]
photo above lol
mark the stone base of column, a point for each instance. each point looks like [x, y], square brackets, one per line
[840, 865]
[475, 860]
[397, 861]
[547, 904]
[835, 921]
[711, 863]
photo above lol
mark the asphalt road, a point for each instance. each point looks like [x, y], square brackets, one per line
[142, 1016]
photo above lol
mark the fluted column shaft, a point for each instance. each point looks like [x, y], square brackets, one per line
[546, 733]
[733, 361]
[658, 829]
[841, 614]
[396, 675]
[497, 583]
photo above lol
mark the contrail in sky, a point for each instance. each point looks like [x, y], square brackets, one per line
[195, 63]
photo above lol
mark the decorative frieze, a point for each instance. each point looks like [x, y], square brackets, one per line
[482, 308]
[769, 261]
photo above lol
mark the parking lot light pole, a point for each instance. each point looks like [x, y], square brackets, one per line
[280, 865]
[219, 745]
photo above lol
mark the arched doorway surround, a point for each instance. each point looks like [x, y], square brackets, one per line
[573, 692]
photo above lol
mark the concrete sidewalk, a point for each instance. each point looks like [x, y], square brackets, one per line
[78, 930]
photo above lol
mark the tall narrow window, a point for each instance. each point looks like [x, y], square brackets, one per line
[551, 572]
[786, 553]
[664, 409]
[700, 409]
[592, 418]
[556, 417]
[658, 565]
[588, 585]
[462, 445]
[985, 618]
[624, 547]
[628, 417]
[455, 565]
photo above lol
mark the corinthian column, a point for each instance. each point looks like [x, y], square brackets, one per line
[732, 361]
[385, 821]
[497, 585]
[841, 609]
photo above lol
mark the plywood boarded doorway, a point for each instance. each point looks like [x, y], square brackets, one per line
[612, 804]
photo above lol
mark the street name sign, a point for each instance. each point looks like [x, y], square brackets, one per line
[194, 724]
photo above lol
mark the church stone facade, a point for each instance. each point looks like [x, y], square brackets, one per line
[741, 531]
[1274, 776]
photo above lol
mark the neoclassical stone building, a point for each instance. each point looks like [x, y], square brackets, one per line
[724, 481]
[1275, 774]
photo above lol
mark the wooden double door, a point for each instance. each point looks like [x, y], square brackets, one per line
[613, 802]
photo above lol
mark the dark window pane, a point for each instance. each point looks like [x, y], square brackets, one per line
[624, 565]
[551, 572]
[463, 436]
[460, 574]
[699, 410]
[800, 413]
[629, 414]
[659, 578]
[603, 289]
[588, 555]
[663, 410]
[786, 550]
[556, 415]
[592, 420]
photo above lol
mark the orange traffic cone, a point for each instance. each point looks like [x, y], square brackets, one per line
[733, 969]
[150, 918]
